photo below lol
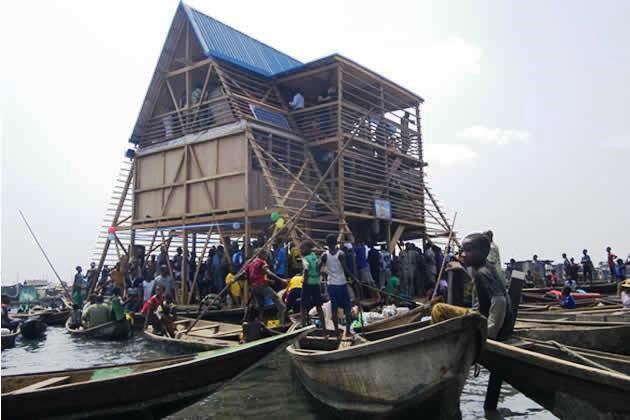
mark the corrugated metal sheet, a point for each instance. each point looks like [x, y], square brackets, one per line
[224, 42]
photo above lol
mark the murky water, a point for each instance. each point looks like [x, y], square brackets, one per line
[268, 390]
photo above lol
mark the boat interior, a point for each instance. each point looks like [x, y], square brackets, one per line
[19, 384]
[320, 341]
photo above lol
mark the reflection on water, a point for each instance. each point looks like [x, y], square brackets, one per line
[266, 391]
[270, 391]
[59, 350]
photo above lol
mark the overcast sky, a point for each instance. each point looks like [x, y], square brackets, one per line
[525, 124]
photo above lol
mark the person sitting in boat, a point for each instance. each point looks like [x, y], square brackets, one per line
[91, 301]
[254, 329]
[7, 322]
[97, 314]
[156, 312]
[494, 301]
[567, 299]
[258, 272]
[571, 284]
[118, 306]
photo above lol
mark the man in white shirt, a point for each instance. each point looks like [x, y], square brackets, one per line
[297, 102]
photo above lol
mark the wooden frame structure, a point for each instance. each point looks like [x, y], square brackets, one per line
[220, 148]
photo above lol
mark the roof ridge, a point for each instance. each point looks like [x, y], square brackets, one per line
[240, 32]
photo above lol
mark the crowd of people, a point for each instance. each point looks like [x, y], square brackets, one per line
[293, 277]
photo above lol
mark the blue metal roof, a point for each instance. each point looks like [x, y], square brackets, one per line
[221, 41]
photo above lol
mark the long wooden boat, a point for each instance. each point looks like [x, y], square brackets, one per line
[8, 340]
[391, 370]
[144, 386]
[611, 337]
[48, 316]
[206, 335]
[604, 288]
[234, 314]
[113, 330]
[569, 390]
[592, 314]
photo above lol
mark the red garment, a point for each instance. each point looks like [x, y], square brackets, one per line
[256, 272]
[152, 304]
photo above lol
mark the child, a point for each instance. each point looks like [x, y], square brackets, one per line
[393, 286]
[150, 308]
[311, 293]
[75, 317]
[567, 299]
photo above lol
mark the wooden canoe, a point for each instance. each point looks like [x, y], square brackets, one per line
[592, 314]
[206, 335]
[613, 337]
[392, 370]
[48, 316]
[604, 288]
[8, 340]
[569, 390]
[143, 386]
[113, 330]
[234, 314]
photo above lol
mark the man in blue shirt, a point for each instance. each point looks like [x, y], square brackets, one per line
[281, 262]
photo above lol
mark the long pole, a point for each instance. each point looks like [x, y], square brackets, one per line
[44, 252]
[448, 245]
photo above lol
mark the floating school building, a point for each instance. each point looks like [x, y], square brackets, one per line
[233, 130]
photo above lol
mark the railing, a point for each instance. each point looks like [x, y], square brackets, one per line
[317, 122]
[174, 124]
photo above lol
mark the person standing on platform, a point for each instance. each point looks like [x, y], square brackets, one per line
[407, 261]
[258, 272]
[238, 257]
[92, 276]
[148, 287]
[431, 264]
[177, 264]
[218, 270]
[386, 265]
[167, 283]
[611, 263]
[311, 292]
[337, 269]
[421, 279]
[365, 276]
[374, 261]
[162, 259]
[566, 265]
[77, 287]
[281, 260]
[539, 272]
[587, 267]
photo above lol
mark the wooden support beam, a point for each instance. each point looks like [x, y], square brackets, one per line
[196, 276]
[170, 192]
[265, 169]
[395, 238]
[295, 182]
